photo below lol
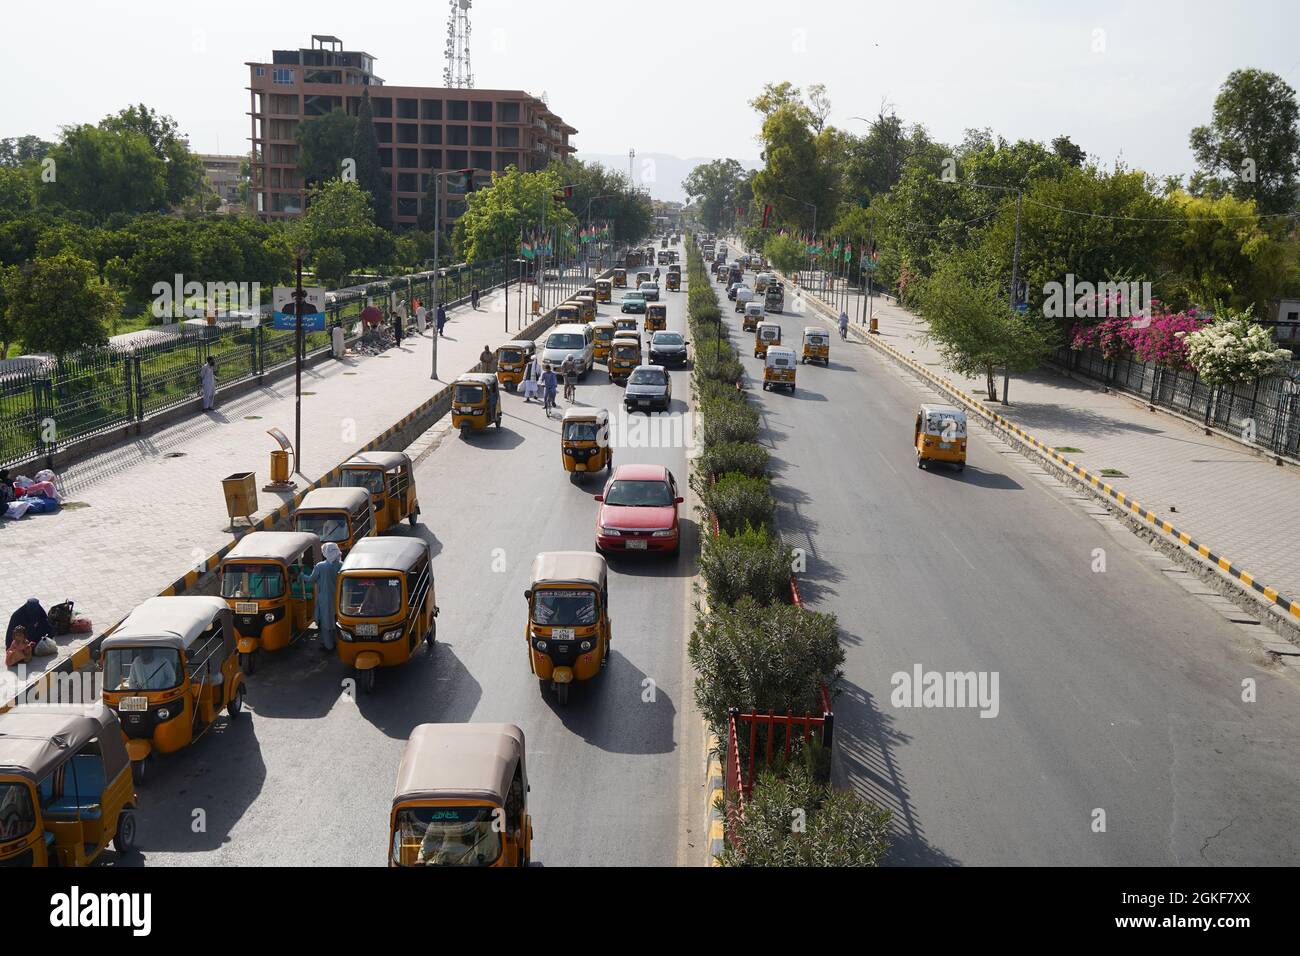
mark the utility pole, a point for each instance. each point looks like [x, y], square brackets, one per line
[298, 297]
[436, 296]
[1015, 282]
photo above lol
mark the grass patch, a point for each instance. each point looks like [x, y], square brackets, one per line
[1112, 473]
[1067, 449]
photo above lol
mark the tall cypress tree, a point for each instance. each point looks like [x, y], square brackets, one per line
[370, 176]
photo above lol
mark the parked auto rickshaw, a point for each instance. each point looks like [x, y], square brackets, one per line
[169, 670]
[587, 307]
[568, 313]
[625, 355]
[604, 289]
[512, 359]
[341, 515]
[568, 628]
[386, 605]
[767, 333]
[584, 441]
[656, 317]
[65, 786]
[461, 798]
[940, 435]
[475, 402]
[602, 337]
[625, 323]
[620, 277]
[390, 479]
[674, 282]
[753, 316]
[261, 581]
[778, 368]
[816, 345]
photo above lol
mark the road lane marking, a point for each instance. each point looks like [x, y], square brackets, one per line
[886, 461]
[958, 550]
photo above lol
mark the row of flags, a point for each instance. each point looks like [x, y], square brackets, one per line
[537, 242]
[815, 246]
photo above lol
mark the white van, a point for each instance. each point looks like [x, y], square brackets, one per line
[570, 339]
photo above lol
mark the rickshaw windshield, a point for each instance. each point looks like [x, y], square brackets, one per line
[17, 812]
[370, 596]
[329, 527]
[510, 355]
[141, 668]
[627, 351]
[580, 431]
[945, 425]
[468, 394]
[564, 607]
[257, 581]
[445, 836]
[371, 479]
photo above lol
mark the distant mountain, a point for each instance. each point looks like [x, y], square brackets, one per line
[660, 173]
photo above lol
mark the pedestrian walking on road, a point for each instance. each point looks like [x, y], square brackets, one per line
[442, 317]
[529, 387]
[489, 362]
[397, 328]
[473, 297]
[324, 578]
[549, 384]
[208, 383]
[421, 316]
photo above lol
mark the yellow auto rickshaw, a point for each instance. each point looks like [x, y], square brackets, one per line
[261, 580]
[656, 317]
[642, 277]
[512, 359]
[390, 479]
[568, 627]
[475, 402]
[605, 290]
[341, 515]
[674, 282]
[753, 315]
[620, 277]
[169, 670]
[940, 435]
[767, 333]
[778, 368]
[65, 786]
[586, 307]
[461, 798]
[625, 355]
[816, 345]
[386, 605]
[602, 336]
[584, 441]
[568, 313]
[625, 323]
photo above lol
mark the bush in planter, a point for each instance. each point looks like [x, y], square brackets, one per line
[738, 501]
[793, 820]
[727, 419]
[745, 458]
[714, 366]
[766, 657]
[751, 565]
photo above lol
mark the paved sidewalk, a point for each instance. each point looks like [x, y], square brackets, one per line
[139, 515]
[1235, 502]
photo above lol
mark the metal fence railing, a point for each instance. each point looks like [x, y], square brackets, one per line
[1264, 413]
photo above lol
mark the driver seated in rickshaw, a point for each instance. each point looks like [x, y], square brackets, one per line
[564, 608]
[445, 845]
[151, 671]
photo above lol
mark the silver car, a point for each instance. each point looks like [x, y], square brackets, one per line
[648, 387]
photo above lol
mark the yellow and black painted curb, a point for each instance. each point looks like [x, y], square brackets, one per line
[80, 658]
[717, 796]
[1224, 564]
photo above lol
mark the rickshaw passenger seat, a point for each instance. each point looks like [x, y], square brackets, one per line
[89, 787]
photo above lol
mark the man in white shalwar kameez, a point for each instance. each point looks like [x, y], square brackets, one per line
[208, 383]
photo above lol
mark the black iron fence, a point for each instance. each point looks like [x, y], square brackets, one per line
[1265, 413]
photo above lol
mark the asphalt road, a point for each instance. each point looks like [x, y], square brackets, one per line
[1118, 692]
[616, 776]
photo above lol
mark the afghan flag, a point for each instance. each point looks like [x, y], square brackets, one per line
[848, 252]
[526, 249]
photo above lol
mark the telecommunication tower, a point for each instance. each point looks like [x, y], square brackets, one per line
[457, 73]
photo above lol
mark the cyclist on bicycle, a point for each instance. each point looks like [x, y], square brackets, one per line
[844, 325]
[548, 390]
[569, 369]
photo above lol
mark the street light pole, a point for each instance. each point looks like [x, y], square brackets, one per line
[298, 297]
[436, 295]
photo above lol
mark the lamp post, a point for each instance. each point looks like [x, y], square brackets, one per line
[437, 235]
[587, 217]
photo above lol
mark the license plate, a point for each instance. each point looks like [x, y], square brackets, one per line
[133, 704]
[635, 545]
[562, 633]
[245, 607]
[367, 630]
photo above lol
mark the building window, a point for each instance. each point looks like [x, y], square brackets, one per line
[408, 109]
[259, 71]
[408, 206]
[431, 135]
[408, 133]
[386, 158]
[458, 110]
[483, 160]
[481, 111]
[382, 106]
[384, 132]
[408, 158]
[431, 109]
[282, 75]
[507, 137]
[408, 182]
[458, 135]
[481, 135]
[507, 112]
[431, 158]
[457, 159]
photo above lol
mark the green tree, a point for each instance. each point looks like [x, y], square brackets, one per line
[339, 228]
[613, 199]
[1251, 147]
[104, 172]
[182, 169]
[1071, 154]
[17, 192]
[515, 201]
[59, 304]
[1222, 252]
[717, 185]
[792, 180]
[785, 252]
[370, 175]
[21, 150]
[323, 144]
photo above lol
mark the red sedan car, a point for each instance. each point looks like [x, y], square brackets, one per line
[638, 511]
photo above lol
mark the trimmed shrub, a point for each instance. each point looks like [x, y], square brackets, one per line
[750, 565]
[773, 657]
[739, 501]
[837, 827]
[726, 419]
[745, 458]
[721, 366]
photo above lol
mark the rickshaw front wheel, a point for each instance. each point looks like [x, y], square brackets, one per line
[247, 663]
[236, 704]
[412, 516]
[124, 838]
[137, 771]
[366, 679]
[562, 694]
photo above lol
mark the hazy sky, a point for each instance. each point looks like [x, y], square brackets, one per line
[1124, 80]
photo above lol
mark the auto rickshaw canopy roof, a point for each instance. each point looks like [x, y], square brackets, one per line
[933, 417]
[383, 459]
[460, 762]
[598, 326]
[598, 415]
[34, 741]
[335, 499]
[476, 378]
[810, 330]
[172, 622]
[385, 554]
[778, 355]
[562, 567]
[286, 546]
[526, 345]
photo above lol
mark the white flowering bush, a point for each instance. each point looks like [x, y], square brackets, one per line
[1233, 350]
